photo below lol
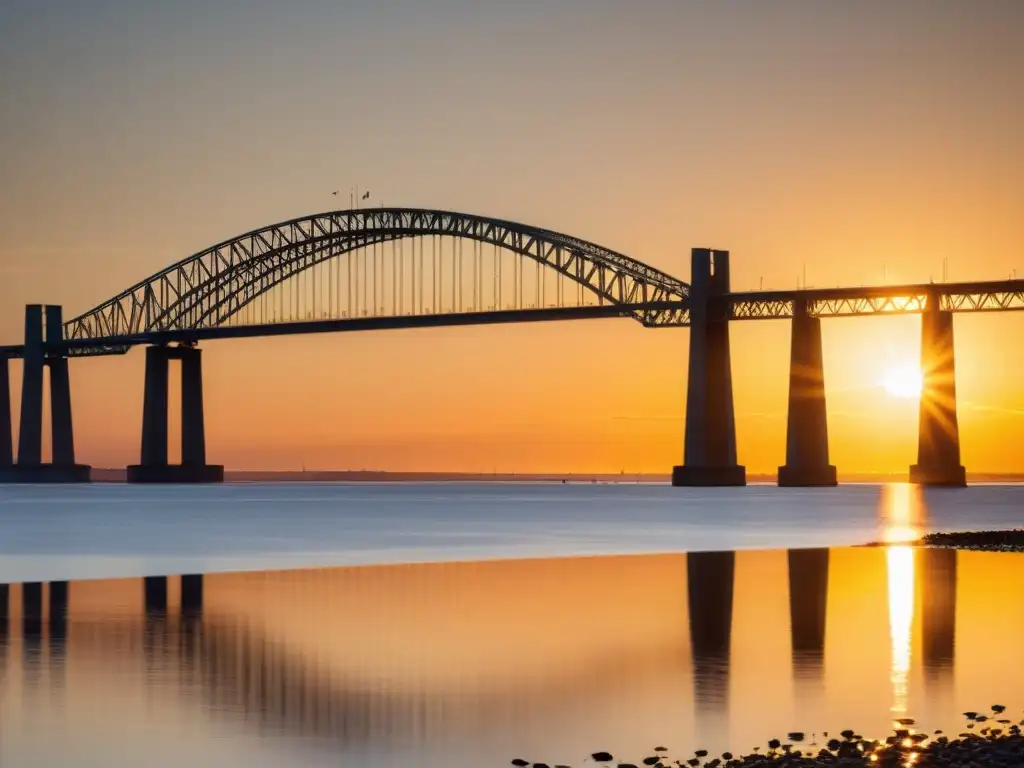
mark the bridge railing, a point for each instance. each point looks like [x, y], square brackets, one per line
[994, 296]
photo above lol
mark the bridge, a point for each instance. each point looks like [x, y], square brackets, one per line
[396, 268]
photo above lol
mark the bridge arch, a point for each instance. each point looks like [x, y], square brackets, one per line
[211, 287]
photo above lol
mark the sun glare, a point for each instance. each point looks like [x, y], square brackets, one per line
[904, 381]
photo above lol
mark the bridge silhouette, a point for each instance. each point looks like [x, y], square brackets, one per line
[395, 268]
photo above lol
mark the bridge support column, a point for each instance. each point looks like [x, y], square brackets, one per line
[6, 440]
[154, 407]
[193, 422]
[938, 441]
[30, 433]
[154, 467]
[43, 324]
[62, 430]
[709, 455]
[807, 430]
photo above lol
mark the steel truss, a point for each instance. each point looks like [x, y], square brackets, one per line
[210, 287]
[999, 296]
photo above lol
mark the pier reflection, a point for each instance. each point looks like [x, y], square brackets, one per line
[378, 660]
[808, 612]
[710, 580]
[31, 631]
[5, 612]
[710, 577]
[938, 579]
[57, 626]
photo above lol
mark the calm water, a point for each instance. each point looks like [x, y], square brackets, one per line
[108, 531]
[473, 663]
[470, 664]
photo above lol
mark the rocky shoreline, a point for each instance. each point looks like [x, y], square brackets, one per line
[977, 541]
[986, 541]
[988, 740]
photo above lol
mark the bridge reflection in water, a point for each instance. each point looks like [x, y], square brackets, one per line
[542, 658]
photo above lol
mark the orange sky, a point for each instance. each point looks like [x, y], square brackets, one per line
[850, 141]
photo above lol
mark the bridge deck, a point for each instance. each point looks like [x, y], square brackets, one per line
[989, 296]
[120, 344]
[993, 296]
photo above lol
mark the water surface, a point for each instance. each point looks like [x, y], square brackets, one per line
[471, 664]
[469, 624]
[102, 531]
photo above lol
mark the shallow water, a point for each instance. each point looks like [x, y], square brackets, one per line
[525, 648]
[471, 664]
[102, 531]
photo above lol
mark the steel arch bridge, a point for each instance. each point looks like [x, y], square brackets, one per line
[354, 264]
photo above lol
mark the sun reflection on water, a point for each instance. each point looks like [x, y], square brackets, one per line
[901, 513]
[900, 566]
[901, 518]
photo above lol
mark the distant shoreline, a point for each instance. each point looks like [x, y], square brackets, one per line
[370, 476]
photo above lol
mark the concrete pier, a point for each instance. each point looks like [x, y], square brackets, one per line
[62, 432]
[807, 462]
[938, 446]
[6, 434]
[30, 440]
[709, 455]
[44, 325]
[193, 420]
[154, 408]
[154, 467]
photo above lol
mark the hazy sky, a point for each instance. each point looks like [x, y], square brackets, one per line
[850, 139]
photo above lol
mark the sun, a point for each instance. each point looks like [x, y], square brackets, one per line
[903, 381]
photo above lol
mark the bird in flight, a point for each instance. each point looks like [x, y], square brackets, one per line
[335, 192]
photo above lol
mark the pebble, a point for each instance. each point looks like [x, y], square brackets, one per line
[998, 748]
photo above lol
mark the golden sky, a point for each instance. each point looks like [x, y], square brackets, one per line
[853, 141]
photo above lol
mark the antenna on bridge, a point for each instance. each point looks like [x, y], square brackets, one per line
[354, 200]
